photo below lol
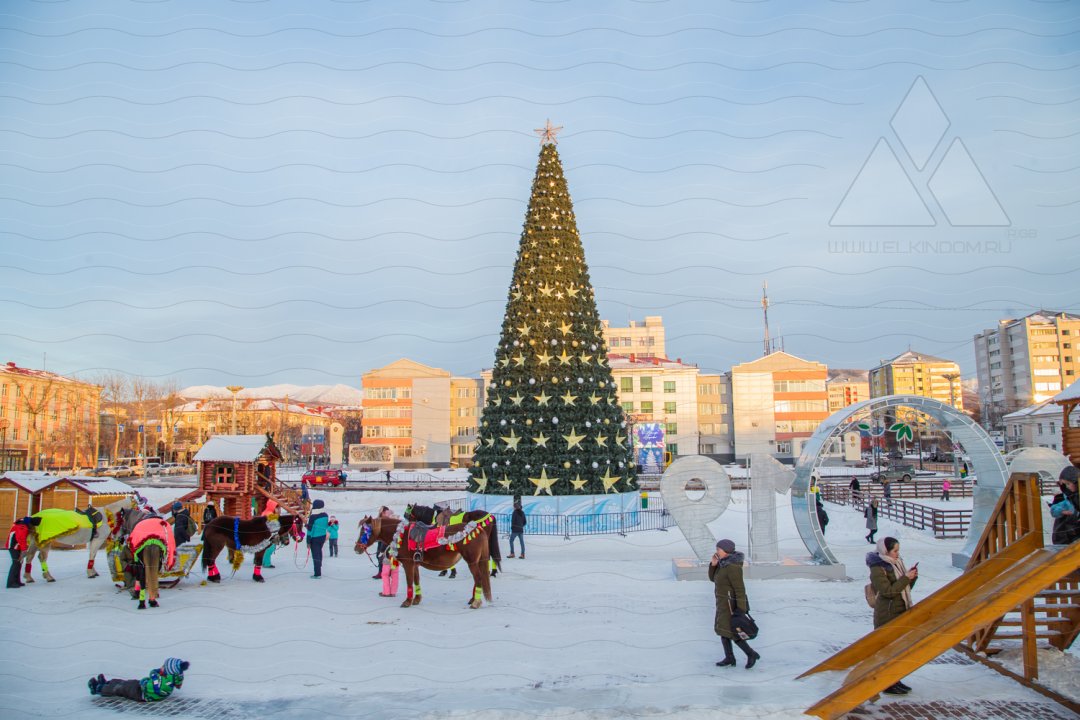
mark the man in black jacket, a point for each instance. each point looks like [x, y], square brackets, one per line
[517, 529]
[183, 525]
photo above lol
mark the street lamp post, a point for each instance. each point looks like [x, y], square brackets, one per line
[952, 378]
[234, 389]
[3, 444]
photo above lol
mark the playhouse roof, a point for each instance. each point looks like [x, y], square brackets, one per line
[235, 448]
[1068, 394]
[35, 482]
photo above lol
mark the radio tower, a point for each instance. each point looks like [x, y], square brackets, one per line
[765, 310]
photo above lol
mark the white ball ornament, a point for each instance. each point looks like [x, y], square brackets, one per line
[532, 381]
[554, 421]
[595, 465]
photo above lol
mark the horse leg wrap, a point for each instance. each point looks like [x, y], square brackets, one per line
[28, 566]
[477, 593]
[212, 571]
[90, 564]
[257, 577]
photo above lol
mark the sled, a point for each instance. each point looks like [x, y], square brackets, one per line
[186, 555]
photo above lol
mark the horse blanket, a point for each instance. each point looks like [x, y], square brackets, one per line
[430, 536]
[157, 531]
[56, 522]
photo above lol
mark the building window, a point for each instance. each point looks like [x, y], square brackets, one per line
[626, 384]
[669, 407]
[669, 386]
[709, 449]
[224, 474]
[672, 448]
[646, 406]
[628, 407]
[671, 428]
[783, 447]
[782, 386]
[646, 384]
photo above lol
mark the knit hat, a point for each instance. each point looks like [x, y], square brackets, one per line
[727, 546]
[318, 505]
[177, 507]
[175, 666]
[1070, 474]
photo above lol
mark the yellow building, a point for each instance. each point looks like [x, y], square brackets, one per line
[1025, 361]
[912, 373]
[47, 420]
[195, 421]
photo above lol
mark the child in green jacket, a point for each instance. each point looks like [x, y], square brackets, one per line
[158, 685]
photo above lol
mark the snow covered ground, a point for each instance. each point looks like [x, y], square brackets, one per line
[593, 627]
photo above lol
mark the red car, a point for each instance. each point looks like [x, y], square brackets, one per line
[335, 478]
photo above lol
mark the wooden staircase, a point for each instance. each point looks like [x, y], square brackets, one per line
[1013, 589]
[287, 498]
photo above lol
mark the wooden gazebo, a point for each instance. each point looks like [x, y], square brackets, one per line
[1068, 399]
[238, 473]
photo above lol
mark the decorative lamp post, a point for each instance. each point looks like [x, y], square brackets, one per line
[4, 422]
[952, 378]
[234, 389]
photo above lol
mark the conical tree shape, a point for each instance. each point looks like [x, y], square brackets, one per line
[552, 423]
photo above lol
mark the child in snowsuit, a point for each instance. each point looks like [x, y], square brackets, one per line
[158, 685]
[332, 529]
[390, 574]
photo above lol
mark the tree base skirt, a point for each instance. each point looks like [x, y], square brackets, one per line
[578, 506]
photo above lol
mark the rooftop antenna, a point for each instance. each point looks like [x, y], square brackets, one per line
[765, 311]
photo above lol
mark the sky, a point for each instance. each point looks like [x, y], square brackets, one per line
[266, 192]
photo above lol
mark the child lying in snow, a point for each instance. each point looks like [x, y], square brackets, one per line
[157, 686]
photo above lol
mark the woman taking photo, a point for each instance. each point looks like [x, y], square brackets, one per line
[892, 583]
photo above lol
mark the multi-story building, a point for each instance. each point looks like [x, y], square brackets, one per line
[640, 339]
[1024, 361]
[294, 425]
[47, 420]
[913, 373]
[658, 390]
[407, 407]
[466, 404]
[847, 387]
[1036, 426]
[777, 403]
[716, 430]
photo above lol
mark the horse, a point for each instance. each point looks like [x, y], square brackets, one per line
[149, 542]
[475, 541]
[441, 517]
[92, 526]
[246, 536]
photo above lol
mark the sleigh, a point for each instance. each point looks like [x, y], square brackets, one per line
[186, 555]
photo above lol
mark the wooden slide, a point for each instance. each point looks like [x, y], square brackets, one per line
[1010, 577]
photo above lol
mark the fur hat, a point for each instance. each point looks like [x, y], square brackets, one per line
[175, 666]
[318, 505]
[1069, 474]
[727, 546]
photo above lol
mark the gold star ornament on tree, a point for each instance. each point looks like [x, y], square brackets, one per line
[543, 482]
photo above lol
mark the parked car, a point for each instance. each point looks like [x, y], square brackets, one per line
[335, 478]
[121, 471]
[903, 473]
[153, 469]
[94, 472]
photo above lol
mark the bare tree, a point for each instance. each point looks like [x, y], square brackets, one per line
[116, 387]
[32, 396]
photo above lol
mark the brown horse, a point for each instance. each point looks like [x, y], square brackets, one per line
[475, 541]
[246, 536]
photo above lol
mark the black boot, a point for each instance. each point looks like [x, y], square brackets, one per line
[897, 689]
[751, 656]
[729, 653]
[453, 573]
[153, 603]
[443, 573]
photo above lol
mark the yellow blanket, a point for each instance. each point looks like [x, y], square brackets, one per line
[56, 523]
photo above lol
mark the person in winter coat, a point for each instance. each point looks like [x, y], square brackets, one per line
[305, 496]
[158, 685]
[390, 573]
[316, 535]
[183, 524]
[822, 516]
[17, 543]
[1066, 521]
[332, 529]
[380, 549]
[855, 488]
[870, 514]
[518, 521]
[887, 491]
[892, 582]
[268, 554]
[209, 513]
[726, 573]
[946, 486]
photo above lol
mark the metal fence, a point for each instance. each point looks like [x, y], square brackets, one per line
[653, 518]
[944, 523]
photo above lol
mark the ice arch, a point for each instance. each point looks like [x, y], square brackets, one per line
[986, 462]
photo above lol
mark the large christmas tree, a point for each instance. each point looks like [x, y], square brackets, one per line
[552, 423]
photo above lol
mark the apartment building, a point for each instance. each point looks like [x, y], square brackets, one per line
[466, 406]
[914, 373]
[658, 390]
[715, 427]
[778, 401]
[643, 339]
[1025, 361]
[47, 420]
[847, 387]
[407, 408]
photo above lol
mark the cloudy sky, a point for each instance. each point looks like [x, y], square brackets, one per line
[238, 192]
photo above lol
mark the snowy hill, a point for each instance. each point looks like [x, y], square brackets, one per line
[313, 394]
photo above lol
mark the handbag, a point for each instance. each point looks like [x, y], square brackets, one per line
[871, 595]
[743, 626]
[1059, 509]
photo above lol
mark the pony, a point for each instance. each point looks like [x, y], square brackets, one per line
[475, 541]
[441, 517]
[246, 536]
[148, 540]
[91, 527]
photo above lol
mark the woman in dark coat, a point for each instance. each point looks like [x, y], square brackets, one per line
[1067, 522]
[726, 573]
[892, 583]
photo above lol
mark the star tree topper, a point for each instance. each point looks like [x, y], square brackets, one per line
[547, 133]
